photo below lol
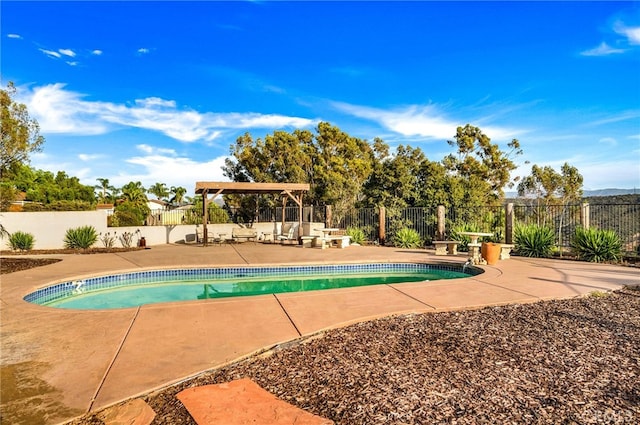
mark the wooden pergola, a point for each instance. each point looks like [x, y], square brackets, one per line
[287, 190]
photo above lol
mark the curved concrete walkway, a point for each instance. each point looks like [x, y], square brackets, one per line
[59, 364]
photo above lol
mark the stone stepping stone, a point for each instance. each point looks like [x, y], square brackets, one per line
[242, 402]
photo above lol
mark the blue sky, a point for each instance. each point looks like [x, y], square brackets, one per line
[158, 91]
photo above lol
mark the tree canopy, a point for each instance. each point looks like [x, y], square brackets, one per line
[20, 133]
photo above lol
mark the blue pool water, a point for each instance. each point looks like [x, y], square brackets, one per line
[157, 286]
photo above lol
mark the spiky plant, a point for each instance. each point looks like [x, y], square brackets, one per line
[534, 241]
[21, 241]
[80, 237]
[596, 245]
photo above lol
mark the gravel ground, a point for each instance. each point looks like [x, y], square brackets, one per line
[573, 361]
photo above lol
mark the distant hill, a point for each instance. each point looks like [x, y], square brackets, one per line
[593, 193]
[610, 192]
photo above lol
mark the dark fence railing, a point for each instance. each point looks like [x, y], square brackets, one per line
[564, 219]
[624, 219]
[489, 219]
[366, 219]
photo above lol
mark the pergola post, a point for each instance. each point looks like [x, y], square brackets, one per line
[291, 190]
[205, 217]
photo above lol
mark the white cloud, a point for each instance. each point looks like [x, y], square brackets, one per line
[96, 52]
[416, 120]
[89, 157]
[153, 150]
[16, 36]
[631, 33]
[609, 141]
[51, 53]
[62, 111]
[72, 63]
[180, 171]
[602, 50]
[67, 52]
[143, 50]
[413, 120]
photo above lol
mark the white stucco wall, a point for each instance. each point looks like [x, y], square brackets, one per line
[49, 227]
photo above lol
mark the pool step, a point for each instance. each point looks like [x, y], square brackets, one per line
[243, 402]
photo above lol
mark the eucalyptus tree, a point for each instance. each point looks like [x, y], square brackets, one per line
[483, 166]
[20, 133]
[342, 166]
[546, 187]
[395, 180]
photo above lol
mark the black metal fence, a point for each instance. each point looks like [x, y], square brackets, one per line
[624, 219]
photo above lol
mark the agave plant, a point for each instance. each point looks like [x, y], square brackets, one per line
[534, 240]
[407, 238]
[596, 245]
[80, 237]
[21, 241]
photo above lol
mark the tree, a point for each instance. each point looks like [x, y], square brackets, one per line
[395, 180]
[335, 164]
[134, 193]
[131, 207]
[20, 133]
[549, 186]
[106, 190]
[160, 190]
[342, 166]
[178, 195]
[484, 168]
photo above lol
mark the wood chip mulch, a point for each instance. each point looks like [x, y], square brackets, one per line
[572, 361]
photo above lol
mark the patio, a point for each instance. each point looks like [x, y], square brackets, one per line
[66, 363]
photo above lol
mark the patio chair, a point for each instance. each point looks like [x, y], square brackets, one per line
[288, 234]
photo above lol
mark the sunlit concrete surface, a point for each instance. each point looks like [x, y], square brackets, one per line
[59, 364]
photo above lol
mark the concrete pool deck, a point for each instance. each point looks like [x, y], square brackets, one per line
[59, 364]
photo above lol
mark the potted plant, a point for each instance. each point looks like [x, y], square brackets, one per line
[490, 250]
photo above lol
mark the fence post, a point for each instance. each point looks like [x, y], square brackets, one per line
[508, 223]
[441, 224]
[584, 215]
[382, 219]
[327, 216]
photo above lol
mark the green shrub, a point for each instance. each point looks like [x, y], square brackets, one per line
[407, 238]
[21, 241]
[125, 218]
[596, 245]
[357, 235]
[534, 241]
[80, 237]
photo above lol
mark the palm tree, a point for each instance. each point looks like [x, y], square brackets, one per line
[178, 195]
[159, 190]
[134, 193]
[106, 191]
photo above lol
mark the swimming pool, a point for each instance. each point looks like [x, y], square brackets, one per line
[157, 286]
